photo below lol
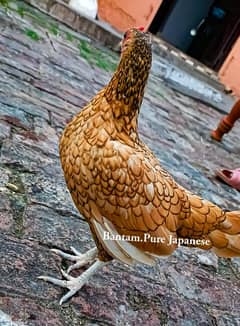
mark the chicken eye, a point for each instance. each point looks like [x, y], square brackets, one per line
[125, 35]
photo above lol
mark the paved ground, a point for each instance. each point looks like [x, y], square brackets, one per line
[46, 75]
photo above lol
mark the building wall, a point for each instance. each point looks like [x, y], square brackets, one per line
[230, 71]
[122, 14]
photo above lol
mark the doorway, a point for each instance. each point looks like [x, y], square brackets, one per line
[205, 30]
[217, 34]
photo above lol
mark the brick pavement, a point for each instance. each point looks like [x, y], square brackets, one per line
[46, 75]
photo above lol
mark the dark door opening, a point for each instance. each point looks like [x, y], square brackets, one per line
[176, 18]
[161, 16]
[217, 34]
[205, 30]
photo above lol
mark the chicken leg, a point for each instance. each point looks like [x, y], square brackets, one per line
[80, 259]
[74, 284]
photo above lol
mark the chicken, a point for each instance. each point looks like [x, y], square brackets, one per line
[135, 209]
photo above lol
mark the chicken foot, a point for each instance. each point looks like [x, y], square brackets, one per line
[79, 258]
[74, 284]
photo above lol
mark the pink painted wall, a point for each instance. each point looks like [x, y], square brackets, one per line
[122, 14]
[230, 71]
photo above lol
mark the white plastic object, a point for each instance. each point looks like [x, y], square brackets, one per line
[88, 8]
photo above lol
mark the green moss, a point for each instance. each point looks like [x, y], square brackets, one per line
[21, 11]
[96, 57]
[92, 54]
[32, 34]
[18, 205]
[69, 37]
[4, 3]
[105, 64]
[54, 29]
[84, 49]
[17, 198]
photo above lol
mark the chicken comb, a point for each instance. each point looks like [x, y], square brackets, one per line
[141, 28]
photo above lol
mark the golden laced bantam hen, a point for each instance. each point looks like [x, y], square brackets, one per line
[135, 210]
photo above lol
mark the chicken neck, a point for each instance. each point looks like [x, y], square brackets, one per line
[125, 91]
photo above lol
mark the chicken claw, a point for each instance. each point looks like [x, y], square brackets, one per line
[80, 259]
[74, 284]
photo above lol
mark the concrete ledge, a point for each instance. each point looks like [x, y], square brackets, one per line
[79, 23]
[184, 62]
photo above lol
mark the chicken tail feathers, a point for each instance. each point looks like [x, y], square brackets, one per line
[226, 240]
